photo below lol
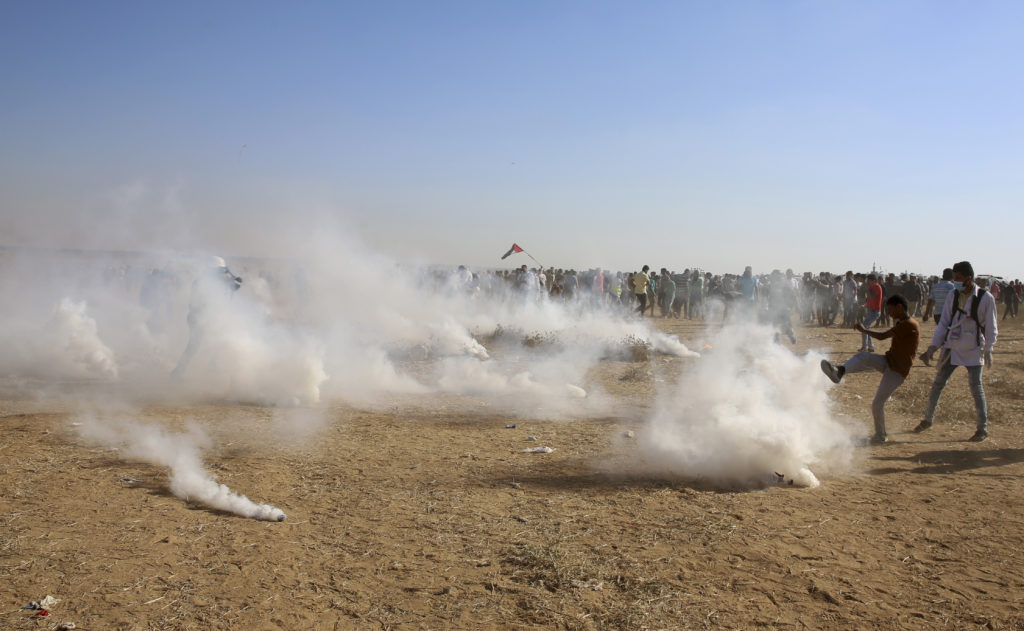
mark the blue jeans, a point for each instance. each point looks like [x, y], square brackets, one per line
[870, 315]
[891, 380]
[973, 379]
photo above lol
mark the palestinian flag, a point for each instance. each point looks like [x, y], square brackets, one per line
[512, 250]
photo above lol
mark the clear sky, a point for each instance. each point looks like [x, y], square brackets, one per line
[816, 135]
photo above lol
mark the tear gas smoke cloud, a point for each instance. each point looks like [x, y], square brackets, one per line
[66, 346]
[181, 454]
[748, 409]
[338, 324]
[342, 324]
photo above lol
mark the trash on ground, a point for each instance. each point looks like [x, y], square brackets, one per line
[47, 602]
[537, 450]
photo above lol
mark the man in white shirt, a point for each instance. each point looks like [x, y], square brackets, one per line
[966, 333]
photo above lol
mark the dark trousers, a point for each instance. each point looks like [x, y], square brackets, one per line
[642, 299]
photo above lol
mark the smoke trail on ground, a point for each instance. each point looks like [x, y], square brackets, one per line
[747, 413]
[314, 321]
[181, 454]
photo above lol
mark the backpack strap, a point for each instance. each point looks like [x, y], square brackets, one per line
[979, 329]
[956, 307]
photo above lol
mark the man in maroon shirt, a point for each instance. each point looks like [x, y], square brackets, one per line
[894, 365]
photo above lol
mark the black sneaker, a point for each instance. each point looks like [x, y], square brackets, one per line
[833, 373]
[923, 425]
[878, 439]
[979, 436]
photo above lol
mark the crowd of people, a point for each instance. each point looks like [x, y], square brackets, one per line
[965, 308]
[824, 299]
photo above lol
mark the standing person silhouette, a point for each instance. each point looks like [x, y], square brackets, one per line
[213, 286]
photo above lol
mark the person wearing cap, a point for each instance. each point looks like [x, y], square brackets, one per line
[966, 333]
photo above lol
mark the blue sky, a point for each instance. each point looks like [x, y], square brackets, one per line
[813, 135]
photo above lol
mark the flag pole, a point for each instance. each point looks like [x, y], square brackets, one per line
[517, 248]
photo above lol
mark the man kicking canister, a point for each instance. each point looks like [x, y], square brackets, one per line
[894, 365]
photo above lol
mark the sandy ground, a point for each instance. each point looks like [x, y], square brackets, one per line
[427, 516]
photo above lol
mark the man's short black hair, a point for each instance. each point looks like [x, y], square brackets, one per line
[947, 274]
[897, 299]
[965, 268]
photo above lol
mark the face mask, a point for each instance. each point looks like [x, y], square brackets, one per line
[957, 285]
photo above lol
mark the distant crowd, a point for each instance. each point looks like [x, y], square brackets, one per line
[824, 299]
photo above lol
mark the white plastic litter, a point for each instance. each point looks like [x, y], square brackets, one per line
[537, 450]
[46, 603]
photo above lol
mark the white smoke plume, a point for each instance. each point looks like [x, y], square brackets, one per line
[318, 320]
[333, 323]
[749, 413]
[181, 454]
[246, 355]
[340, 323]
[74, 334]
[65, 346]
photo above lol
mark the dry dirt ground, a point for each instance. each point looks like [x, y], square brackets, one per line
[426, 515]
